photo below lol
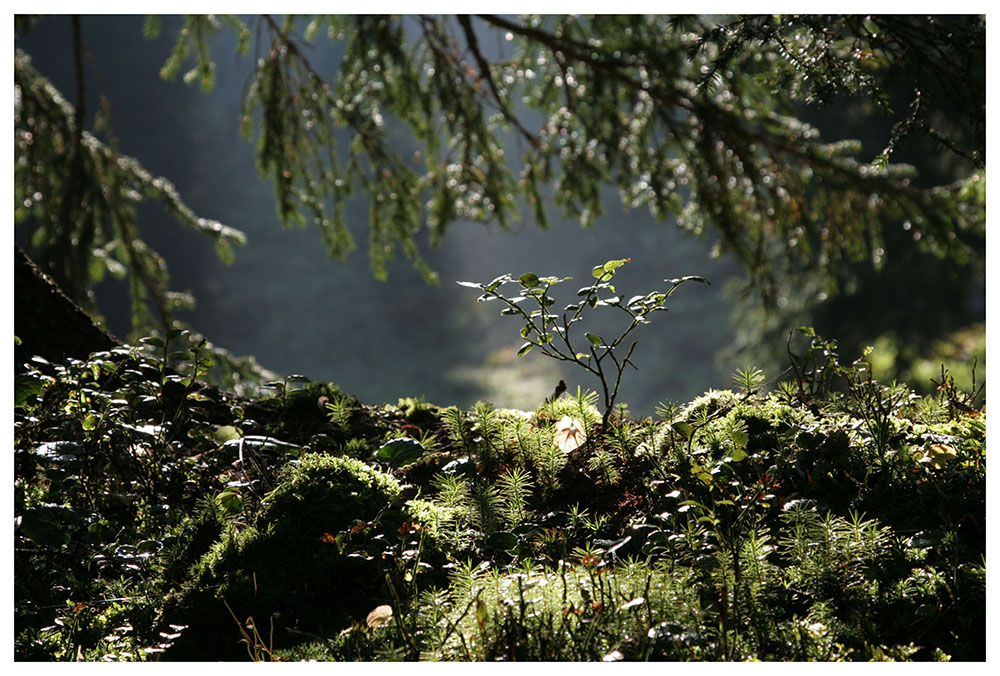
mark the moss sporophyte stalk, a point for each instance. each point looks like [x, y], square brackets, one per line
[553, 334]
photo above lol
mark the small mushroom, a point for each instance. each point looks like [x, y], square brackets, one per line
[382, 615]
[570, 434]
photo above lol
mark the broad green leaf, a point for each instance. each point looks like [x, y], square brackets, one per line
[501, 540]
[26, 387]
[58, 451]
[684, 428]
[230, 502]
[502, 279]
[224, 433]
[611, 266]
[525, 349]
[400, 452]
[607, 270]
[596, 340]
[89, 422]
[529, 280]
[48, 525]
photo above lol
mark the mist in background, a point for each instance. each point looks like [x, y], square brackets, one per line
[296, 310]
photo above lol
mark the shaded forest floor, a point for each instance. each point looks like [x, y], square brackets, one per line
[834, 518]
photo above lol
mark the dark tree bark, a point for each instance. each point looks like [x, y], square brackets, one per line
[47, 322]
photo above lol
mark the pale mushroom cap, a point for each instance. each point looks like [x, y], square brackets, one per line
[381, 615]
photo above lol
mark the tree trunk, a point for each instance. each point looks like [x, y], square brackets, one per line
[47, 322]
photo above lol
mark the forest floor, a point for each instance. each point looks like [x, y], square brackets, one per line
[834, 518]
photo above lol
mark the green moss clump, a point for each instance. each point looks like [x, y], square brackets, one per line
[417, 411]
[309, 558]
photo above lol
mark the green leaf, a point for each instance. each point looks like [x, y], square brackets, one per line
[230, 502]
[529, 280]
[492, 286]
[400, 452]
[688, 278]
[223, 433]
[611, 266]
[26, 387]
[48, 525]
[58, 452]
[501, 540]
[685, 429]
[596, 340]
[525, 349]
[89, 422]
[607, 270]
[155, 341]
[740, 439]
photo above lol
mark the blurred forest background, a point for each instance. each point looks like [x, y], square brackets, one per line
[285, 301]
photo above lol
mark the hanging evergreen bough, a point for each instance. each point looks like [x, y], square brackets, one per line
[573, 103]
[441, 119]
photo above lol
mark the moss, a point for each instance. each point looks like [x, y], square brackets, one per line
[417, 411]
[708, 404]
[581, 407]
[289, 565]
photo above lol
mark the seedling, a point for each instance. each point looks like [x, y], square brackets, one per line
[552, 333]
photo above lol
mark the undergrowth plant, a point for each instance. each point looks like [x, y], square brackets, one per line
[553, 335]
[832, 519]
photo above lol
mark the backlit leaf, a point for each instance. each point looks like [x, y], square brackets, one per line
[529, 280]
